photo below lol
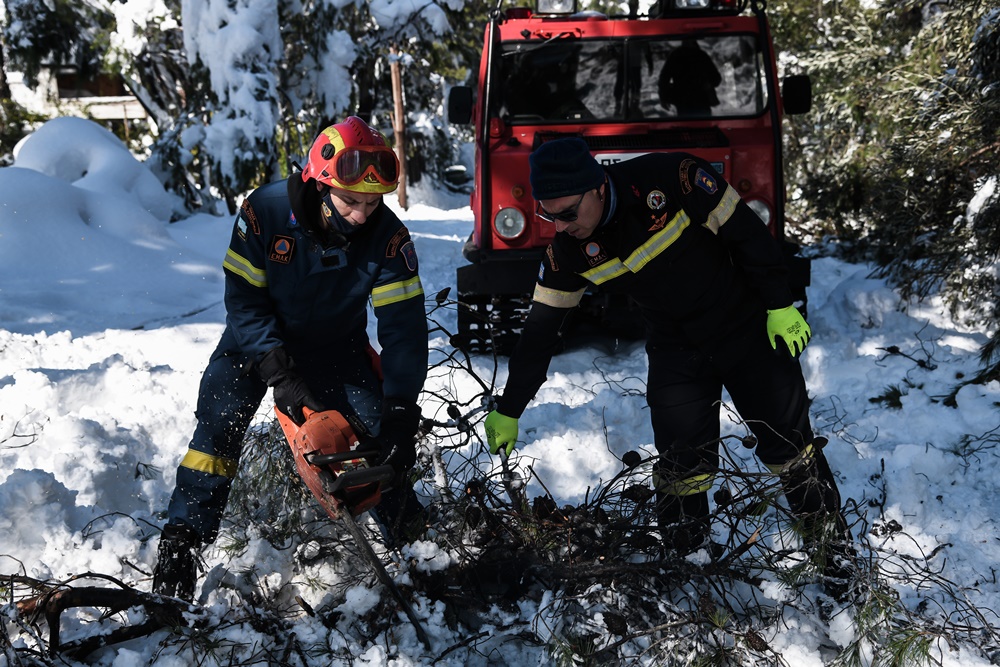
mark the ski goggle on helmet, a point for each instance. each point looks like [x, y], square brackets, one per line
[354, 157]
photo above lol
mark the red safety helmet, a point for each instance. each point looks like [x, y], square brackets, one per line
[353, 156]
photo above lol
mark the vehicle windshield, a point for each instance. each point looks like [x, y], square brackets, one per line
[666, 78]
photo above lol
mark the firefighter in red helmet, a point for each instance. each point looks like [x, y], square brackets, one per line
[305, 257]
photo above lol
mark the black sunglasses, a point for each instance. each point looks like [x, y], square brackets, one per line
[567, 215]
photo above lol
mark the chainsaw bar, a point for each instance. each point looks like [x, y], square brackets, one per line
[333, 463]
[369, 555]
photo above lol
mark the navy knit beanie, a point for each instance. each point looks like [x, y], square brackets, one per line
[563, 167]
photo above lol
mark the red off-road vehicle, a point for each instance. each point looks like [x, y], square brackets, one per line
[694, 75]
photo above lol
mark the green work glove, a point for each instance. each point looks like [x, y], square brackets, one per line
[501, 432]
[787, 323]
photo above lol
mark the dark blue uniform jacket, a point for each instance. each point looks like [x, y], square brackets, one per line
[287, 287]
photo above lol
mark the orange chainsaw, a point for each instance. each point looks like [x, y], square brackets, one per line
[333, 463]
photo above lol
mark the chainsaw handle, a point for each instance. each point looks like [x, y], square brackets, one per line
[340, 457]
[361, 476]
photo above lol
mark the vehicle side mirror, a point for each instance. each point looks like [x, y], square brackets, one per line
[460, 105]
[796, 94]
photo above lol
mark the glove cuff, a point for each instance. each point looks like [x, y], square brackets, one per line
[274, 366]
[400, 412]
[506, 410]
[180, 534]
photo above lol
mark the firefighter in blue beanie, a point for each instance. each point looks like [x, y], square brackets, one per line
[306, 255]
[711, 284]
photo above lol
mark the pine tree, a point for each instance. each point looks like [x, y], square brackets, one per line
[901, 141]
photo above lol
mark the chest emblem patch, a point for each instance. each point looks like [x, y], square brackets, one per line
[656, 200]
[705, 181]
[658, 223]
[282, 248]
[594, 252]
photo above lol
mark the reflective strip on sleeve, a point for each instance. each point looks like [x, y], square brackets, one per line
[721, 213]
[602, 273]
[684, 487]
[242, 267]
[213, 465]
[396, 292]
[658, 242]
[557, 298]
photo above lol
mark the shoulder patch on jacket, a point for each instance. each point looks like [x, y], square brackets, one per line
[409, 253]
[550, 253]
[683, 172]
[247, 213]
[398, 239]
[281, 250]
[706, 181]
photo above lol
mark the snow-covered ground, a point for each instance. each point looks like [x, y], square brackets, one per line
[108, 314]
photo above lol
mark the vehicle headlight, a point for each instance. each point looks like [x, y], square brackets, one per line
[693, 4]
[762, 210]
[556, 6]
[509, 223]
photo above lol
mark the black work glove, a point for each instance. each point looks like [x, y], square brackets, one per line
[174, 574]
[397, 434]
[291, 393]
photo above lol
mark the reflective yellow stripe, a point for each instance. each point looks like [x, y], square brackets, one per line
[642, 255]
[557, 298]
[803, 457]
[684, 487]
[658, 242]
[242, 267]
[213, 465]
[605, 272]
[721, 213]
[395, 292]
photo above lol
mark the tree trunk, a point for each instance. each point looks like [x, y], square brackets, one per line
[4, 86]
[398, 123]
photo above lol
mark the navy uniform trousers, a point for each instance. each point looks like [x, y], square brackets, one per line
[684, 393]
[229, 396]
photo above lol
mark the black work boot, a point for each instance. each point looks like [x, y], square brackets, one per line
[813, 497]
[810, 487]
[175, 574]
[684, 522]
[400, 516]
